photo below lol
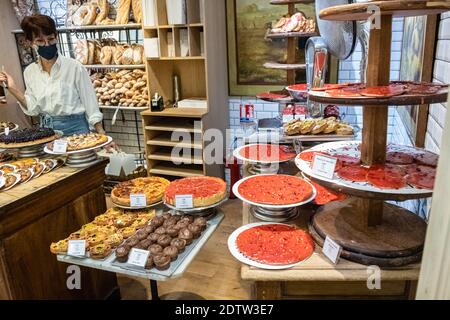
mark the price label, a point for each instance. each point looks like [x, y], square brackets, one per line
[138, 257]
[6, 131]
[138, 200]
[324, 166]
[184, 201]
[60, 146]
[331, 250]
[77, 248]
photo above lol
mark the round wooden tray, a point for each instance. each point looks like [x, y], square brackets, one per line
[397, 241]
[283, 35]
[398, 8]
[404, 99]
[358, 189]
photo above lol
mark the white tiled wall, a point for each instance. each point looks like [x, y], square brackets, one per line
[441, 74]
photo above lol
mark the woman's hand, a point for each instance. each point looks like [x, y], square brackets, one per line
[111, 147]
[6, 78]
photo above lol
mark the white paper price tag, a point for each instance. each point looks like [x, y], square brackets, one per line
[331, 250]
[324, 166]
[77, 248]
[6, 131]
[60, 146]
[184, 201]
[138, 257]
[138, 200]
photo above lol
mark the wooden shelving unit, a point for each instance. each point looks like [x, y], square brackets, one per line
[194, 51]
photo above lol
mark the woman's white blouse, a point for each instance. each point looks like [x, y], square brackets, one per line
[67, 90]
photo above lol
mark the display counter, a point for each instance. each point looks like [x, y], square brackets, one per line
[39, 212]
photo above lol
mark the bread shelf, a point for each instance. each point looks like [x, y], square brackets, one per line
[124, 108]
[129, 26]
[167, 156]
[114, 66]
[286, 2]
[397, 8]
[173, 127]
[177, 170]
[168, 26]
[178, 58]
[178, 112]
[283, 35]
[165, 140]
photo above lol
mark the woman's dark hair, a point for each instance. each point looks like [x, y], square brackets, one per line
[38, 24]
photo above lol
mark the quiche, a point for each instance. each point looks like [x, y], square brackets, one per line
[83, 141]
[205, 191]
[152, 187]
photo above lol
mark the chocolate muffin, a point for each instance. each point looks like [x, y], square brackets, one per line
[188, 218]
[160, 230]
[182, 224]
[173, 232]
[155, 249]
[164, 240]
[172, 252]
[186, 234]
[149, 229]
[149, 263]
[166, 215]
[157, 222]
[195, 229]
[169, 223]
[141, 234]
[201, 222]
[162, 262]
[132, 241]
[153, 237]
[145, 244]
[178, 243]
[122, 253]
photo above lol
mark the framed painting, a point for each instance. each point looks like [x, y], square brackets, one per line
[419, 36]
[247, 24]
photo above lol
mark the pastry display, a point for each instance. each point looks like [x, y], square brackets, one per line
[405, 167]
[205, 191]
[27, 137]
[108, 52]
[96, 12]
[275, 244]
[152, 187]
[102, 234]
[83, 141]
[5, 157]
[295, 23]
[266, 153]
[126, 88]
[275, 189]
[164, 248]
[317, 126]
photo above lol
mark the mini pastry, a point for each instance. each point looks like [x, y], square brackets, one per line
[102, 220]
[96, 238]
[186, 234]
[153, 237]
[157, 222]
[188, 218]
[172, 252]
[169, 223]
[128, 232]
[114, 240]
[155, 249]
[141, 234]
[201, 222]
[77, 235]
[178, 243]
[166, 215]
[149, 229]
[139, 223]
[60, 247]
[173, 232]
[149, 263]
[164, 240]
[109, 230]
[195, 229]
[133, 241]
[122, 253]
[160, 230]
[144, 244]
[161, 262]
[114, 212]
[182, 224]
[124, 221]
[99, 251]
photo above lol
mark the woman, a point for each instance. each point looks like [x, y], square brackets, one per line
[58, 89]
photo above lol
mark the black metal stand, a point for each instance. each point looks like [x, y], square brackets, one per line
[154, 290]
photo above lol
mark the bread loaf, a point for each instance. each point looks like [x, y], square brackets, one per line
[102, 11]
[128, 56]
[106, 55]
[136, 5]
[123, 12]
[82, 51]
[91, 46]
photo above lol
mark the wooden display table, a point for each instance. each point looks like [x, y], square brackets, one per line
[317, 277]
[39, 212]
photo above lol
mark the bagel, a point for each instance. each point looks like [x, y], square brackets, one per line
[85, 15]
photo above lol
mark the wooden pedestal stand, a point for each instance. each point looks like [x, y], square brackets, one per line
[370, 230]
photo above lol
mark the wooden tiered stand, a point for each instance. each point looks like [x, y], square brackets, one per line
[291, 66]
[370, 230]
